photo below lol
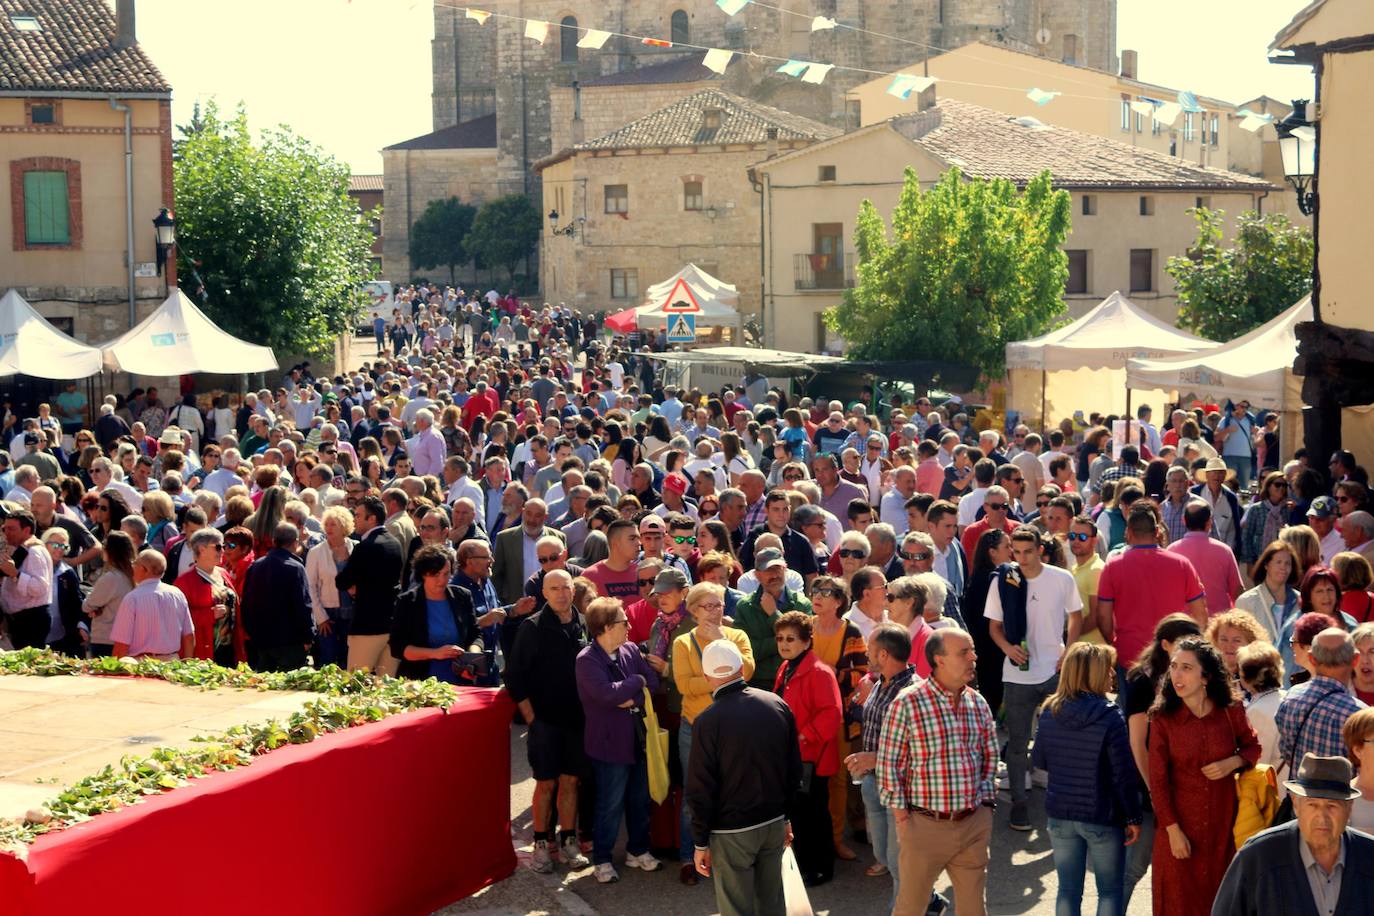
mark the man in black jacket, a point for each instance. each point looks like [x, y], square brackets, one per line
[743, 772]
[1312, 866]
[372, 575]
[542, 679]
[276, 604]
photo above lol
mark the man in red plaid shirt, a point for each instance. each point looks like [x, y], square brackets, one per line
[937, 765]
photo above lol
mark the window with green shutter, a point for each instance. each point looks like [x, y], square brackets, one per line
[46, 209]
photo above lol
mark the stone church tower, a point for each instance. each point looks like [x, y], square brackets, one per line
[493, 68]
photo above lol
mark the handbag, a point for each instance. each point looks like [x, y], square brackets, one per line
[655, 751]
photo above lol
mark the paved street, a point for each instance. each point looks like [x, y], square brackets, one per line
[1021, 876]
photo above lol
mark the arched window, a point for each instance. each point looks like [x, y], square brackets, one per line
[681, 31]
[567, 40]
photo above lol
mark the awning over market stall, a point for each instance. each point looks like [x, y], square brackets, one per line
[179, 339]
[1257, 366]
[716, 302]
[1082, 366]
[30, 345]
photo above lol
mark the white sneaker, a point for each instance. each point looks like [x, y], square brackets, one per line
[541, 859]
[571, 853]
[644, 860]
[605, 873]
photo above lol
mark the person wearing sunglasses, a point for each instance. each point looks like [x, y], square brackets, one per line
[997, 509]
[680, 543]
[1087, 570]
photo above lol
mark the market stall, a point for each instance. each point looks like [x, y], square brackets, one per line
[179, 339]
[30, 345]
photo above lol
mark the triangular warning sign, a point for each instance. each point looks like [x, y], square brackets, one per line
[681, 328]
[680, 298]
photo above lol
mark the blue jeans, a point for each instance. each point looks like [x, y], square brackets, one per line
[334, 644]
[687, 848]
[1138, 856]
[882, 828]
[621, 790]
[1075, 843]
[1242, 465]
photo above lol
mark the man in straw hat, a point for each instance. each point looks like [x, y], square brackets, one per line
[1313, 865]
[1223, 500]
[744, 769]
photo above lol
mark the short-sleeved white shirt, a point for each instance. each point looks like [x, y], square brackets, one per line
[1052, 597]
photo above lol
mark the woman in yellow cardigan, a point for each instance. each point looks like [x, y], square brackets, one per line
[706, 604]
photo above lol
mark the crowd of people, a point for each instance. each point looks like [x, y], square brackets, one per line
[860, 624]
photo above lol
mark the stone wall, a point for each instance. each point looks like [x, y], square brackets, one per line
[607, 108]
[413, 178]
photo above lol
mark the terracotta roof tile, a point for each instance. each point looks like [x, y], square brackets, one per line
[358, 183]
[478, 133]
[72, 50]
[682, 123]
[993, 144]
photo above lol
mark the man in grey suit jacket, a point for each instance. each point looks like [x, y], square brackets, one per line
[1313, 866]
[509, 570]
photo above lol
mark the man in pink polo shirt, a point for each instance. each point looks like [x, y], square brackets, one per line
[1214, 562]
[1143, 586]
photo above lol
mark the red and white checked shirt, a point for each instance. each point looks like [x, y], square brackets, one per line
[937, 751]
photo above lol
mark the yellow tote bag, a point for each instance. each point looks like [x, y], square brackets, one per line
[656, 751]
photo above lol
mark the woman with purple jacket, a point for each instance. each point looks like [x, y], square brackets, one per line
[611, 677]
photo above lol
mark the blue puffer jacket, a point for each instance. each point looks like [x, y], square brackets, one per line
[1088, 755]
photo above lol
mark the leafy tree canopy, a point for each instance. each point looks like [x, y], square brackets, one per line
[505, 231]
[436, 239]
[1226, 292]
[966, 267]
[270, 232]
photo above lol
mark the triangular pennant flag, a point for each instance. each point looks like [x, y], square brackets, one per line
[816, 73]
[820, 23]
[731, 7]
[1252, 122]
[1188, 101]
[1167, 113]
[656, 42]
[537, 29]
[794, 67]
[594, 39]
[1142, 107]
[1041, 96]
[717, 59]
[904, 84]
[479, 16]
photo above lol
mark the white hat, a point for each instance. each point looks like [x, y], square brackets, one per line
[721, 659]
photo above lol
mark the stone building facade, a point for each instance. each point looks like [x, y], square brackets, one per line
[486, 68]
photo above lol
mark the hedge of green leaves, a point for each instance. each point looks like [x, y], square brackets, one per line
[346, 699]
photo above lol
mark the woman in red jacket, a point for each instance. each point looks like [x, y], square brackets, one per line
[809, 688]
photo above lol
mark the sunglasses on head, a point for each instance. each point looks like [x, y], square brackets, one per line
[1079, 536]
[850, 554]
[916, 556]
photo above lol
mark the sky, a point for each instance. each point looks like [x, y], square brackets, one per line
[354, 75]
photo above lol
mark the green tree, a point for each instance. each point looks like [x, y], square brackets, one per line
[505, 231]
[967, 267]
[1225, 292]
[436, 239]
[280, 248]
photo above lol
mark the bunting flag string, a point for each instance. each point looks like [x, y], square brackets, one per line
[594, 39]
[902, 85]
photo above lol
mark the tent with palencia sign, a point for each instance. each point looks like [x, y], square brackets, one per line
[692, 291]
[178, 339]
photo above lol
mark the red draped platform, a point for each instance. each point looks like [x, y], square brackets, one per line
[402, 816]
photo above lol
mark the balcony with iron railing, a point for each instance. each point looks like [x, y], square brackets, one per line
[823, 271]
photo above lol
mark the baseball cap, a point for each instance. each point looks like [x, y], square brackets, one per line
[675, 482]
[669, 579]
[721, 659]
[1322, 507]
[767, 559]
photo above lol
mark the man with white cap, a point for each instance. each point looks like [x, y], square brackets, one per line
[744, 768]
[1316, 863]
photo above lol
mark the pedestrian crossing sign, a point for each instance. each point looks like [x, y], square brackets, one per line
[682, 329]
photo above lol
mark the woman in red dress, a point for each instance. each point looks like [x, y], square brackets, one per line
[211, 597]
[1199, 738]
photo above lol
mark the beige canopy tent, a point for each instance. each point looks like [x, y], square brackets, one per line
[718, 301]
[30, 345]
[1257, 366]
[1082, 366]
[178, 339]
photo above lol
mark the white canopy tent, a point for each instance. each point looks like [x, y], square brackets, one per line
[30, 345]
[1082, 366]
[179, 339]
[718, 301]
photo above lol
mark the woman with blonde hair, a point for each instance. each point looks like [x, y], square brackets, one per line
[1260, 668]
[160, 514]
[1091, 799]
[331, 607]
[1231, 631]
[706, 606]
[271, 510]
[1355, 576]
[1306, 546]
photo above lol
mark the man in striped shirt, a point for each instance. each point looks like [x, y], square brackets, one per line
[154, 619]
[937, 763]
